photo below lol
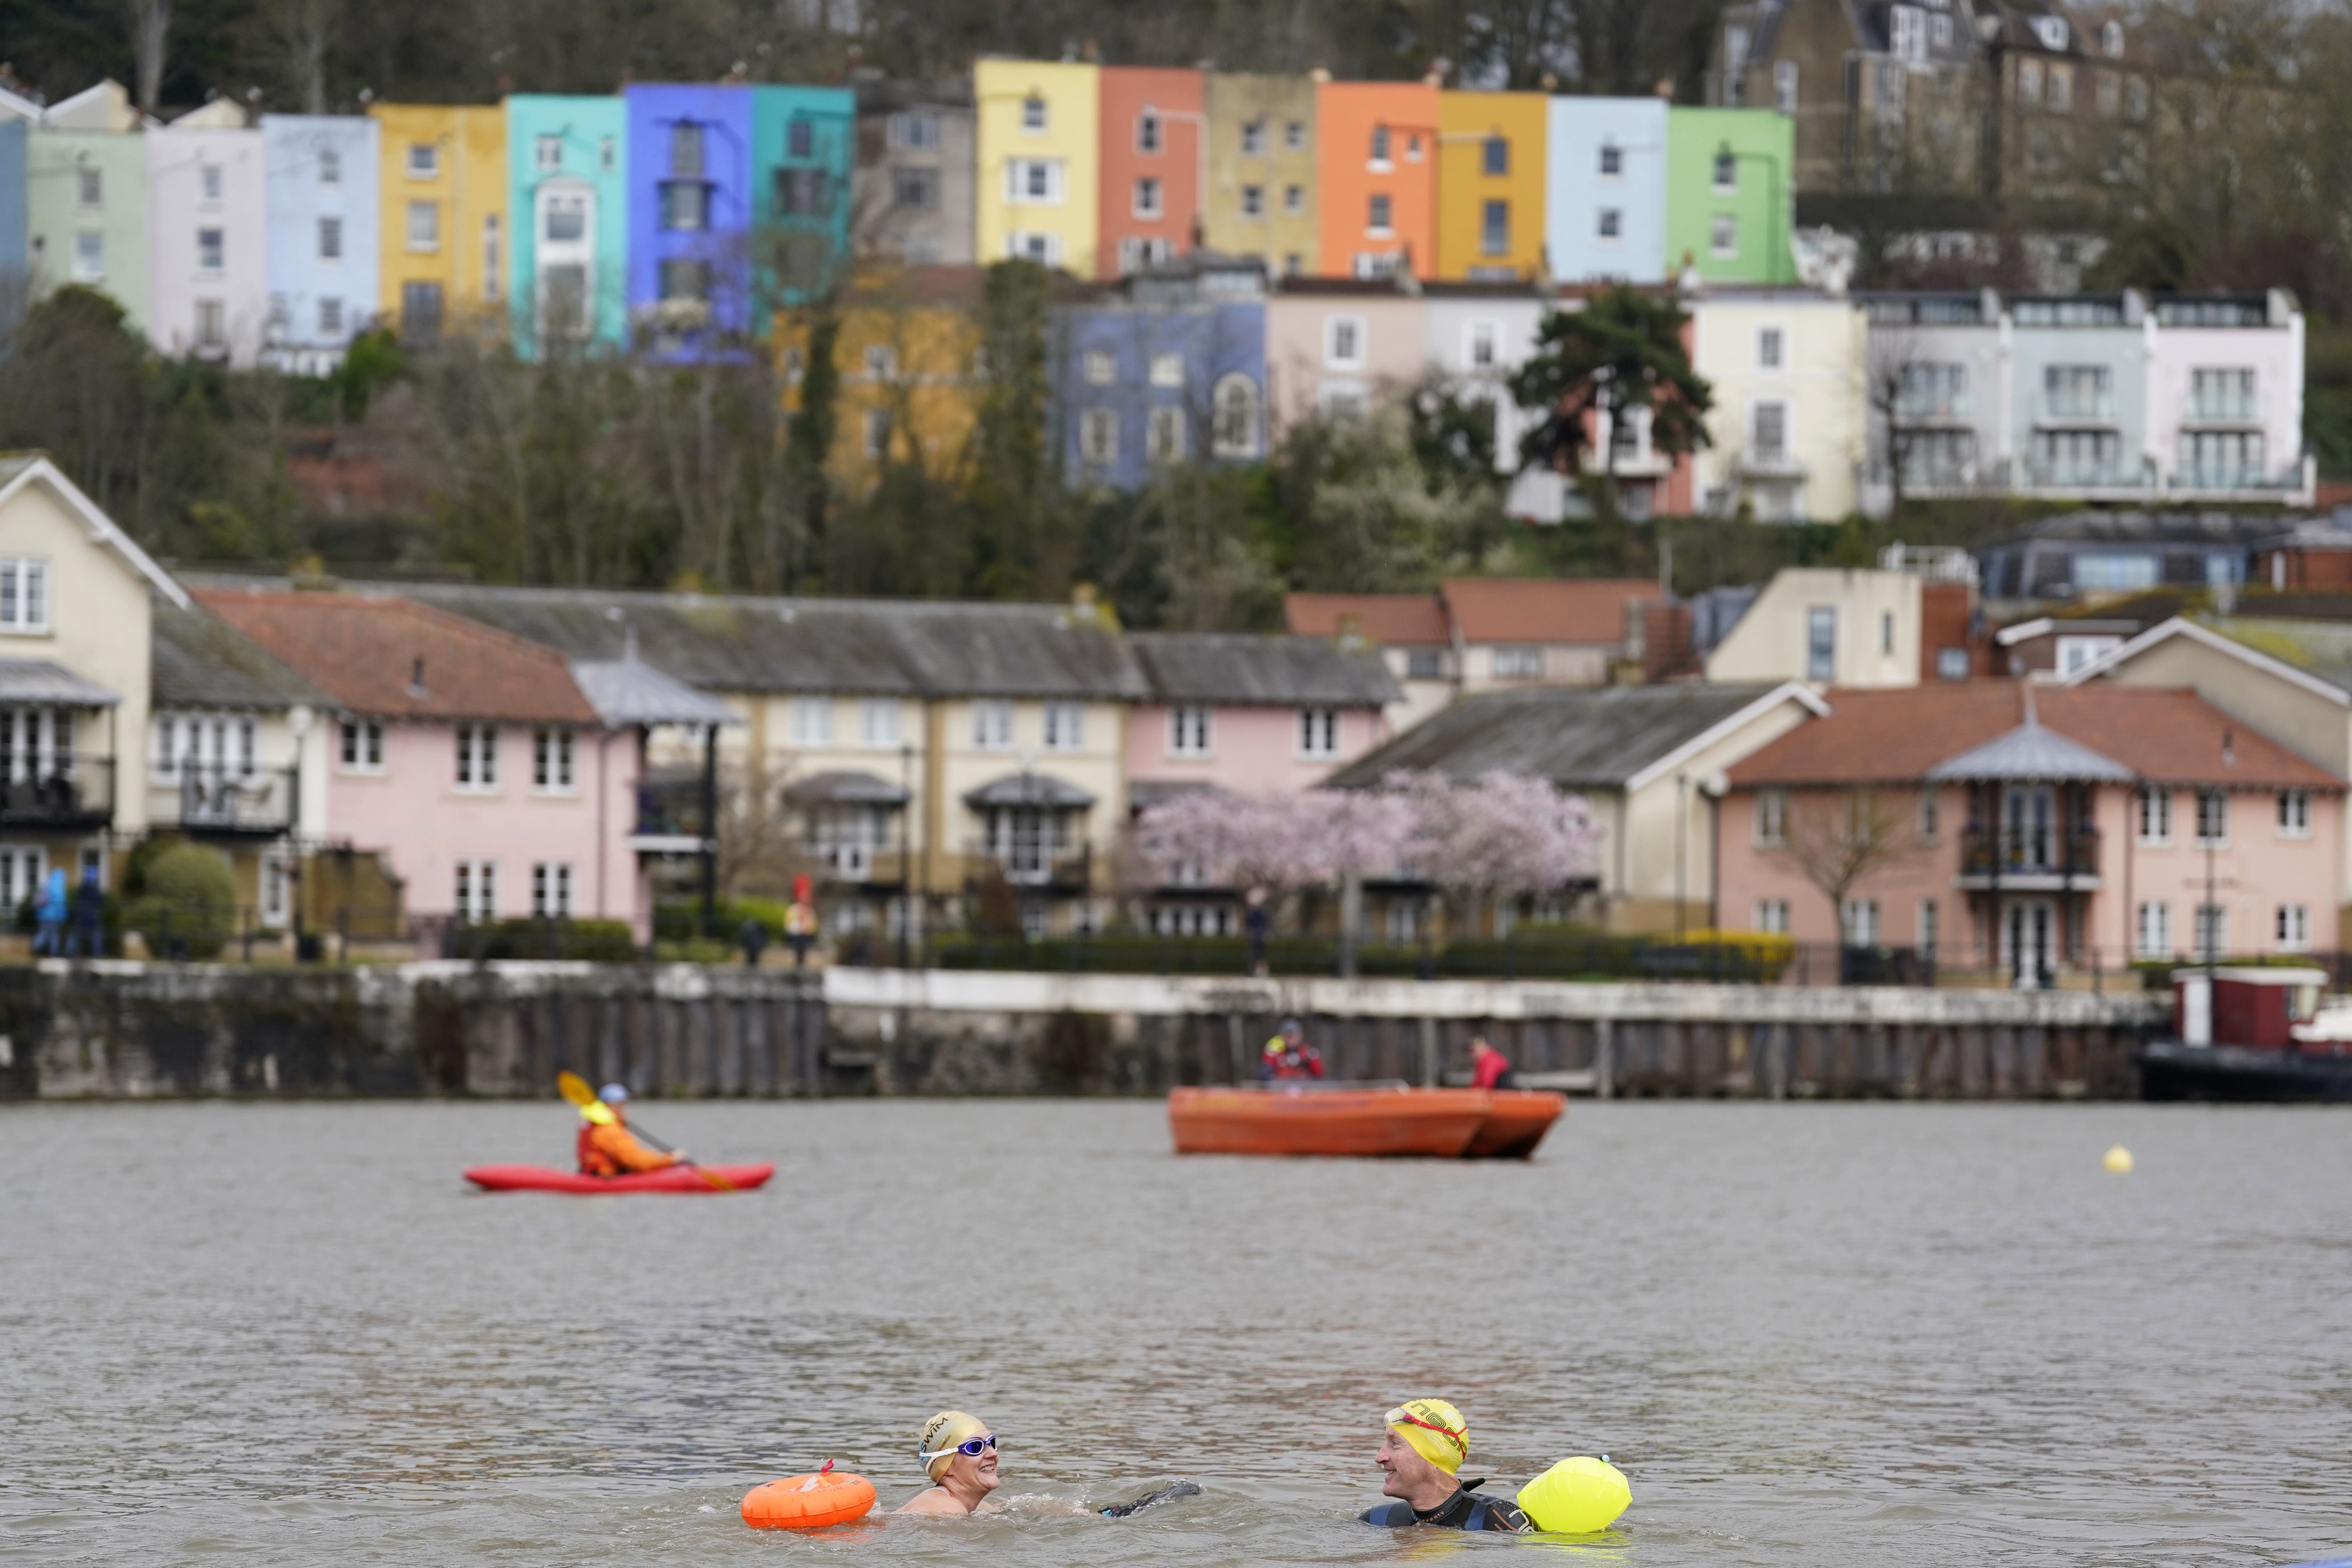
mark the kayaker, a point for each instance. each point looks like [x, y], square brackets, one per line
[1489, 1069]
[1426, 1442]
[1288, 1056]
[609, 1148]
[958, 1455]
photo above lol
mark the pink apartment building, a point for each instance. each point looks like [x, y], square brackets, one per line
[470, 759]
[2031, 829]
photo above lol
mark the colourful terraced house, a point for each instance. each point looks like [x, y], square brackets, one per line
[444, 232]
[1038, 185]
[1729, 194]
[1154, 159]
[567, 162]
[1377, 146]
[1490, 185]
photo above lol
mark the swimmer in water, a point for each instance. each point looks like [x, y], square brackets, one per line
[959, 1454]
[1426, 1442]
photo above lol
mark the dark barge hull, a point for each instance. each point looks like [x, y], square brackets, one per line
[2172, 1071]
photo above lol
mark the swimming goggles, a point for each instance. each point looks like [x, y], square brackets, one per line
[971, 1446]
[1401, 1416]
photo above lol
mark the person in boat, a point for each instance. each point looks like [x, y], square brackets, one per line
[1489, 1069]
[958, 1455]
[1288, 1056]
[1422, 1454]
[610, 1149]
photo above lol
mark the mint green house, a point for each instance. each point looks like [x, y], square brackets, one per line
[1729, 199]
[86, 214]
[568, 163]
[803, 151]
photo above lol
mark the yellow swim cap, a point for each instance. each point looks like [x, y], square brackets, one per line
[941, 1433]
[1434, 1430]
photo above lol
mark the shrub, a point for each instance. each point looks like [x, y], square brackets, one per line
[188, 901]
[598, 941]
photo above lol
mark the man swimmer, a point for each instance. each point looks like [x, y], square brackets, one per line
[1426, 1442]
[958, 1455]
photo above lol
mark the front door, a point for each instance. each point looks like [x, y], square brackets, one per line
[2029, 941]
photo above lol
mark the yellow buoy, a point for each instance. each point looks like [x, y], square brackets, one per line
[2118, 1162]
[1576, 1497]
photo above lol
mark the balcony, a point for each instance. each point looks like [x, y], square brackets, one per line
[860, 865]
[669, 818]
[1034, 865]
[70, 793]
[2029, 859]
[218, 800]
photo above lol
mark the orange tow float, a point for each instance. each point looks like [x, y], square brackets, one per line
[808, 1502]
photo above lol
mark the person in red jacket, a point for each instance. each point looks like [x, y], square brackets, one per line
[1288, 1056]
[607, 1147]
[1489, 1069]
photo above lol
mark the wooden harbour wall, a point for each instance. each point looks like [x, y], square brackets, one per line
[131, 1030]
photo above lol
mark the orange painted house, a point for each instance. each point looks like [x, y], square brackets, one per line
[1490, 185]
[1377, 151]
[1154, 145]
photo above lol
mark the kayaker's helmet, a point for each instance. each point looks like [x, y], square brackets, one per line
[1292, 1027]
[614, 1094]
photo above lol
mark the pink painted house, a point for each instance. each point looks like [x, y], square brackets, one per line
[470, 759]
[2028, 830]
[1338, 346]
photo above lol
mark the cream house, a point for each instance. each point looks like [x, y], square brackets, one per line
[1848, 626]
[1787, 425]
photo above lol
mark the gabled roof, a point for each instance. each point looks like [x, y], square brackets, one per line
[1262, 671]
[2031, 751]
[199, 660]
[2315, 656]
[18, 469]
[1577, 737]
[395, 658]
[1393, 620]
[1543, 609]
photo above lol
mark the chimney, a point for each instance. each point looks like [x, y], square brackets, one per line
[417, 677]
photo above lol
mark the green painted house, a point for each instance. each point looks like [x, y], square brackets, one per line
[1729, 196]
[86, 199]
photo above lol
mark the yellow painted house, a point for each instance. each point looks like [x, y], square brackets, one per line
[905, 353]
[1039, 176]
[1490, 185]
[447, 241]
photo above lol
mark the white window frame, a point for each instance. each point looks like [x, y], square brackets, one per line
[1609, 226]
[1319, 734]
[1166, 434]
[2218, 800]
[1380, 215]
[1101, 367]
[1482, 345]
[1167, 369]
[1018, 184]
[553, 759]
[880, 723]
[1772, 916]
[423, 160]
[477, 889]
[2295, 814]
[1039, 246]
[1858, 923]
[1772, 348]
[809, 722]
[1756, 408]
[551, 889]
[2152, 929]
[477, 759]
[1772, 818]
[331, 238]
[1098, 436]
[1784, 85]
[1928, 935]
[27, 603]
[212, 249]
[2292, 928]
[1191, 732]
[1066, 726]
[1148, 202]
[423, 238]
[992, 724]
[359, 746]
[1354, 326]
[1035, 117]
[1931, 815]
[2152, 816]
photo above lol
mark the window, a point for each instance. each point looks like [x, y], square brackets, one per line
[330, 317]
[1253, 138]
[1065, 727]
[1343, 341]
[330, 240]
[1611, 224]
[24, 593]
[1033, 114]
[2108, 89]
[804, 193]
[1906, 34]
[1936, 391]
[1098, 435]
[1376, 218]
[1887, 631]
[1612, 161]
[1293, 263]
[1318, 732]
[1032, 182]
[1769, 347]
[1771, 817]
[2079, 653]
[1940, 31]
[423, 160]
[1951, 664]
[799, 140]
[2220, 459]
[1413, 149]
[277, 887]
[2294, 928]
[550, 760]
[686, 206]
[1294, 202]
[1294, 135]
[89, 187]
[211, 324]
[2155, 814]
[2295, 814]
[551, 889]
[881, 363]
[2028, 82]
[493, 264]
[1147, 131]
[1167, 369]
[1147, 199]
[1424, 664]
[2152, 929]
[878, 723]
[1233, 416]
[2212, 930]
[1861, 923]
[917, 131]
[425, 225]
[1820, 643]
[1253, 200]
[1930, 926]
[683, 278]
[1769, 439]
[992, 725]
[1044, 250]
[1727, 171]
[2136, 97]
[2061, 88]
[1723, 235]
[208, 182]
[2221, 393]
[1772, 916]
[2212, 817]
[914, 190]
[1929, 816]
[547, 152]
[1188, 731]
[2077, 391]
[1518, 663]
[608, 155]
[478, 890]
[1784, 85]
[210, 250]
[567, 219]
[812, 721]
[89, 256]
[361, 742]
[1495, 228]
[2111, 39]
[1102, 369]
[477, 756]
[1494, 156]
[1480, 351]
[1379, 146]
[1165, 435]
[876, 432]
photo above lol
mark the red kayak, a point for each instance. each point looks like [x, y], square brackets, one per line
[671, 1179]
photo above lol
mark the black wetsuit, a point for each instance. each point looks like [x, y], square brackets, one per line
[1462, 1511]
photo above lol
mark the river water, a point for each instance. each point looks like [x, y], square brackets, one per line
[1824, 1335]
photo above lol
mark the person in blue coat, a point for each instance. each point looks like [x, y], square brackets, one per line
[50, 912]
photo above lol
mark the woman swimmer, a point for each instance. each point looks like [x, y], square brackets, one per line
[959, 1454]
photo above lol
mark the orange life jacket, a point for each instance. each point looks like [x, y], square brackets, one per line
[610, 1151]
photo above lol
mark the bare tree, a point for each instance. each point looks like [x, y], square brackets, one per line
[1838, 841]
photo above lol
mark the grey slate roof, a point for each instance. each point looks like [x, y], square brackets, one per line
[845, 786]
[851, 646]
[1028, 789]
[198, 660]
[1263, 671]
[627, 690]
[38, 680]
[2031, 751]
[1579, 737]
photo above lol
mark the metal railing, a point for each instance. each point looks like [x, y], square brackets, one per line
[1038, 864]
[221, 798]
[2046, 851]
[66, 792]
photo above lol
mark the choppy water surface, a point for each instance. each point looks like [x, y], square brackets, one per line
[1822, 1335]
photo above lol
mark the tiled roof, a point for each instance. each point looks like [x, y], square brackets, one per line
[1393, 620]
[199, 660]
[1898, 736]
[1543, 609]
[367, 651]
[1576, 736]
[1264, 671]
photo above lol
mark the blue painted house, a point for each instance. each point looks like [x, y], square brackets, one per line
[1605, 196]
[568, 160]
[805, 141]
[691, 210]
[1165, 366]
[323, 256]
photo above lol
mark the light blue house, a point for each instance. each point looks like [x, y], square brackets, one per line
[1164, 367]
[2078, 395]
[805, 141]
[569, 159]
[1605, 207]
[320, 193]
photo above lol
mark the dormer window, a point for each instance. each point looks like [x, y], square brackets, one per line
[2111, 40]
[2052, 31]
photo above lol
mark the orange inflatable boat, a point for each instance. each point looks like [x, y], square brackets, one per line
[1362, 1119]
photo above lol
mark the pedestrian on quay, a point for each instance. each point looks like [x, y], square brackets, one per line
[49, 914]
[1257, 924]
[88, 937]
